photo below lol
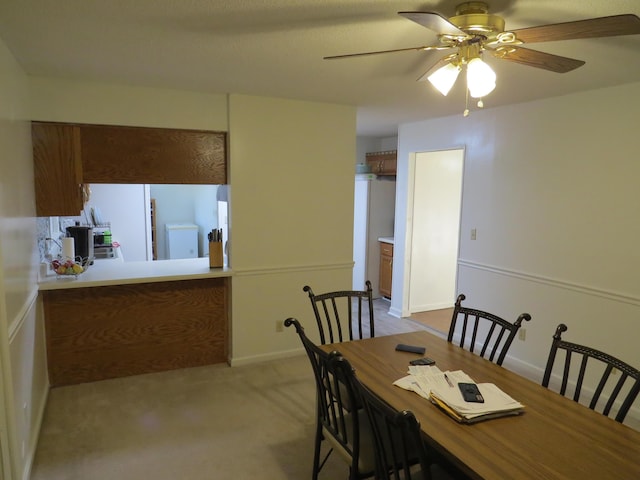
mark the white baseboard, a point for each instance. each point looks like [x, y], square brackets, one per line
[265, 357]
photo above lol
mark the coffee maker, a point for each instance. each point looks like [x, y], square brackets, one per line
[83, 242]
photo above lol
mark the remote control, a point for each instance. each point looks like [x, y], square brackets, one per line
[410, 348]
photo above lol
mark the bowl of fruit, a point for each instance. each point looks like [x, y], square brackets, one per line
[68, 267]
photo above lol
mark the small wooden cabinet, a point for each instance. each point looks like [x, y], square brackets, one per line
[57, 169]
[386, 268]
[383, 163]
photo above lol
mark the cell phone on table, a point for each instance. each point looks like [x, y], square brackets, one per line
[422, 361]
[470, 392]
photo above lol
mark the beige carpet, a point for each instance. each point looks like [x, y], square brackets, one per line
[439, 320]
[212, 423]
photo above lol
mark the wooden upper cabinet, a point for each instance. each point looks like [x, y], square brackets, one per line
[57, 169]
[114, 154]
[383, 163]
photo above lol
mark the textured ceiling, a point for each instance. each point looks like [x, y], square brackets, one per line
[275, 48]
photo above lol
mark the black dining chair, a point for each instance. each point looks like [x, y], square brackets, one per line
[345, 428]
[343, 309]
[602, 366]
[400, 452]
[484, 331]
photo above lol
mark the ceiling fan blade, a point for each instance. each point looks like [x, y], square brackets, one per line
[627, 24]
[423, 48]
[439, 64]
[534, 58]
[434, 21]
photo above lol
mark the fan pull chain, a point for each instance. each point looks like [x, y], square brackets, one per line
[466, 99]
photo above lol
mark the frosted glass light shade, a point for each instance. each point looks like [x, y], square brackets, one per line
[481, 79]
[444, 78]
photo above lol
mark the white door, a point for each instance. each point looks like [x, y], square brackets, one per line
[435, 233]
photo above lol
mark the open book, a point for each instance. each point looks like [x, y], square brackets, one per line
[441, 388]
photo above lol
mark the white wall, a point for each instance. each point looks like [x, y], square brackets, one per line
[23, 382]
[291, 167]
[551, 187]
[185, 204]
[373, 144]
[125, 208]
[58, 100]
[292, 189]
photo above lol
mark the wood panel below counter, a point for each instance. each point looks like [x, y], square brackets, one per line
[115, 331]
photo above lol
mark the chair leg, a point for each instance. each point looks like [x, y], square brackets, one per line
[316, 454]
[317, 465]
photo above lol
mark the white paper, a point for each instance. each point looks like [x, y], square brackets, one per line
[495, 400]
[430, 381]
[68, 247]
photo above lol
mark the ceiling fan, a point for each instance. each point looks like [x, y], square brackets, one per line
[473, 31]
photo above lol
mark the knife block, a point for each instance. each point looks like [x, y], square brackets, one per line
[216, 260]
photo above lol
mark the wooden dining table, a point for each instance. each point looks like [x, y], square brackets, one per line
[555, 437]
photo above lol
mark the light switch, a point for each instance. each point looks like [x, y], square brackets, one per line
[473, 234]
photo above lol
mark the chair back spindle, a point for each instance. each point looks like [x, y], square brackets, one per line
[489, 333]
[351, 310]
[596, 366]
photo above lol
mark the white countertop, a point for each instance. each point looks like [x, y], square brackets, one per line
[111, 272]
[386, 240]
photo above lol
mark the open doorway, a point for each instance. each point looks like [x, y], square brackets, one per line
[435, 231]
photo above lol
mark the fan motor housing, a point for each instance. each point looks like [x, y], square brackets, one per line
[473, 18]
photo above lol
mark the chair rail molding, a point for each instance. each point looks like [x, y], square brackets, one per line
[275, 270]
[576, 287]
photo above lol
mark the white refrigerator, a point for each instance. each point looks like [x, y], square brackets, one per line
[374, 214]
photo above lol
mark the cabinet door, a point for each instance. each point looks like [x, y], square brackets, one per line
[386, 269]
[383, 163]
[57, 169]
[389, 166]
[115, 154]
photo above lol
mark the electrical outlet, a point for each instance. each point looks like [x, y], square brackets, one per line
[522, 334]
[279, 325]
[473, 234]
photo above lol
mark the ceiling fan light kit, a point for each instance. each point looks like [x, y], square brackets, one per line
[481, 79]
[444, 78]
[473, 31]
